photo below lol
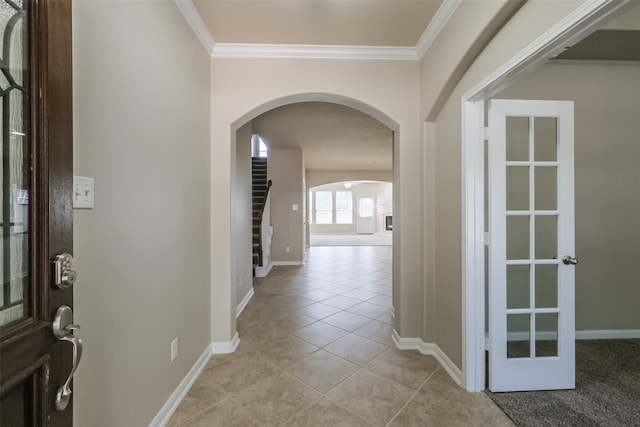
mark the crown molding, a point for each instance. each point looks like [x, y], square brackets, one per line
[436, 25]
[198, 26]
[386, 53]
[241, 50]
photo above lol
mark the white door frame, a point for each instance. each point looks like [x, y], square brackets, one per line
[581, 22]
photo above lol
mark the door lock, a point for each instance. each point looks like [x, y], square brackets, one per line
[64, 275]
[568, 260]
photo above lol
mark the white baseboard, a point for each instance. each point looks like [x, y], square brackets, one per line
[608, 334]
[263, 271]
[224, 347]
[431, 349]
[244, 302]
[287, 263]
[170, 406]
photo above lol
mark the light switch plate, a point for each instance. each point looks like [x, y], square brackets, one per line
[82, 192]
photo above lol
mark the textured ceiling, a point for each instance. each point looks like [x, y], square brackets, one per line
[332, 136]
[313, 22]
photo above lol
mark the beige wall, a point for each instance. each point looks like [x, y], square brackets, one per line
[320, 177]
[141, 124]
[244, 88]
[443, 140]
[285, 169]
[607, 183]
[243, 214]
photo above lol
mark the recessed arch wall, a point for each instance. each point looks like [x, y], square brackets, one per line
[387, 90]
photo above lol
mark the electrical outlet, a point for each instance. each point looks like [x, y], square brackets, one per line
[174, 349]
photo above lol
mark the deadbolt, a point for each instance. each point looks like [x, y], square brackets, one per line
[64, 275]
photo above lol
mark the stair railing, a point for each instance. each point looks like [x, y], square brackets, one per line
[261, 217]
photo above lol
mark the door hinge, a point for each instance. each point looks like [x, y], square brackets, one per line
[487, 343]
[485, 133]
[487, 239]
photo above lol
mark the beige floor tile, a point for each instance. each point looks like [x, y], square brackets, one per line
[341, 302]
[326, 413]
[386, 318]
[284, 351]
[225, 414]
[292, 321]
[360, 294]
[409, 368]
[322, 370]
[368, 310]
[431, 413]
[238, 373]
[502, 420]
[317, 295]
[295, 302]
[381, 300]
[443, 389]
[377, 331]
[346, 320]
[371, 396]
[356, 349]
[319, 334]
[200, 397]
[276, 400]
[318, 311]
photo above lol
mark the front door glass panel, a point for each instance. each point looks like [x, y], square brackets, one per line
[15, 165]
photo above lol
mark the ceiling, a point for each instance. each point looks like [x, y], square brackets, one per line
[332, 136]
[397, 23]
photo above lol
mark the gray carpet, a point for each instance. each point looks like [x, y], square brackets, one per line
[607, 390]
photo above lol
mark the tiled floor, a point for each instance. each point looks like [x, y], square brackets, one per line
[316, 350]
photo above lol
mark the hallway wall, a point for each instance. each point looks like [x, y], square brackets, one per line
[443, 141]
[240, 86]
[141, 125]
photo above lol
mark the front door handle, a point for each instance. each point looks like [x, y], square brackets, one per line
[568, 260]
[63, 328]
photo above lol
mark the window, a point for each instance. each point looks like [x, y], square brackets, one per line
[310, 207]
[324, 207]
[344, 207]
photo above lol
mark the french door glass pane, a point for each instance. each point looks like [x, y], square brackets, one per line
[546, 139]
[517, 188]
[546, 334]
[546, 236]
[517, 138]
[546, 188]
[546, 286]
[518, 335]
[518, 237]
[15, 163]
[518, 286]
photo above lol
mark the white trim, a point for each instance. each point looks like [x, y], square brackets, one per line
[285, 263]
[431, 349]
[224, 347]
[473, 297]
[196, 23]
[610, 334]
[392, 310]
[244, 302]
[579, 23]
[439, 20]
[169, 407]
[246, 50]
[263, 271]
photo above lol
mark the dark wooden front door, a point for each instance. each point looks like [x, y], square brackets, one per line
[37, 216]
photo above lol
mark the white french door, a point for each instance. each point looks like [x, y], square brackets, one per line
[366, 215]
[531, 252]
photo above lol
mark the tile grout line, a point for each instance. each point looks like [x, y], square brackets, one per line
[412, 397]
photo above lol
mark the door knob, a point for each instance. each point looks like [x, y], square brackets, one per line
[63, 328]
[567, 260]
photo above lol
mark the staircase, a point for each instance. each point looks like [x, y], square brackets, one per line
[259, 194]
